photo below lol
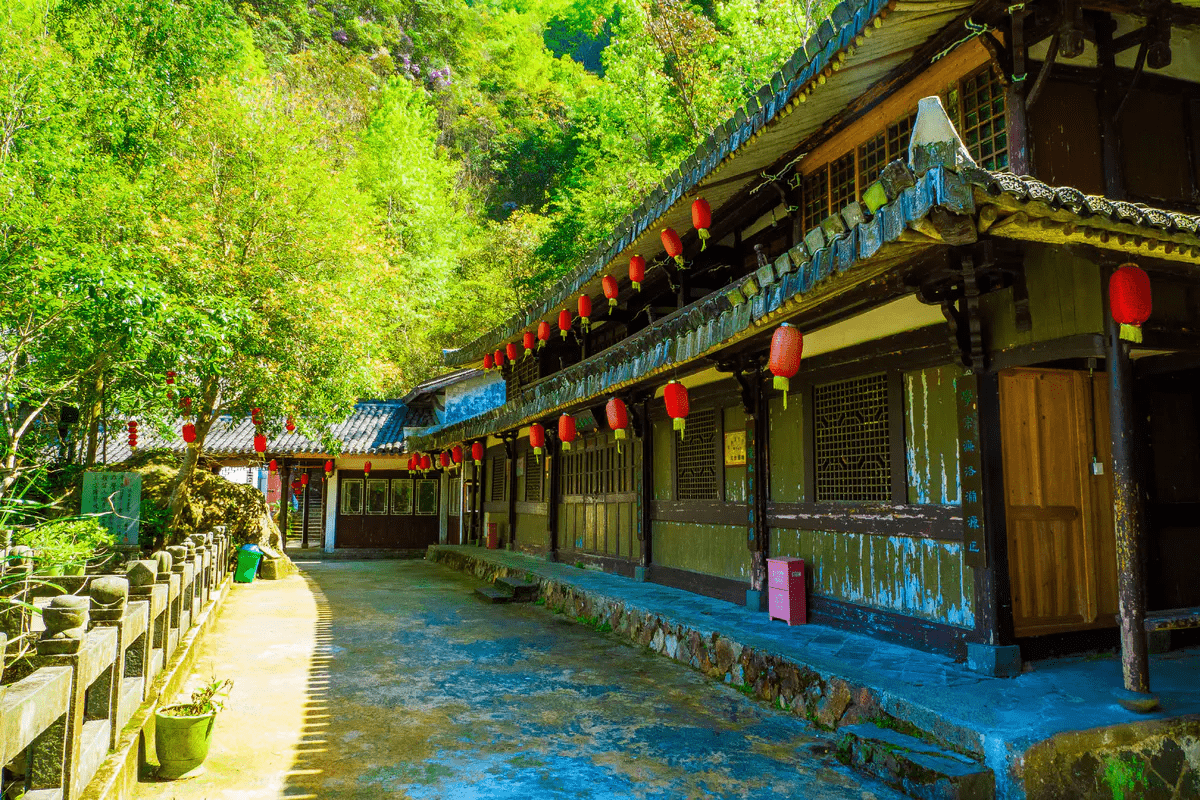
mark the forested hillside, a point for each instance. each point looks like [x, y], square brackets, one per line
[293, 203]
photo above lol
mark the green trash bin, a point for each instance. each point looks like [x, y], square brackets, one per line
[248, 558]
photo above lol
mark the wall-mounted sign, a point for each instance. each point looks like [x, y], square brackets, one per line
[970, 465]
[117, 498]
[735, 448]
[585, 421]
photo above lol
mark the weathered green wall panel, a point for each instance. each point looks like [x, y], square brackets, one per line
[786, 433]
[532, 530]
[710, 549]
[735, 477]
[931, 435]
[1065, 298]
[919, 577]
[664, 460]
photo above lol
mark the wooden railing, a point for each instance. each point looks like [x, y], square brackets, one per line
[101, 641]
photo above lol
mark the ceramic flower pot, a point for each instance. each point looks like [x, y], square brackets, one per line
[181, 743]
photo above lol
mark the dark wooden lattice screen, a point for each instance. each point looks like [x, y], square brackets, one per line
[696, 458]
[983, 126]
[853, 455]
[816, 198]
[533, 477]
[499, 478]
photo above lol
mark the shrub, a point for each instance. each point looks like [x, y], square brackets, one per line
[69, 542]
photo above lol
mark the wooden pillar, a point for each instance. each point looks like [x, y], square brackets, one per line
[1014, 100]
[284, 488]
[552, 495]
[645, 491]
[756, 490]
[304, 522]
[993, 591]
[1109, 97]
[1128, 529]
[510, 449]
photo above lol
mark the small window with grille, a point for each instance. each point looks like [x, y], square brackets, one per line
[872, 156]
[982, 117]
[533, 478]
[697, 477]
[816, 198]
[843, 187]
[499, 478]
[898, 135]
[853, 449]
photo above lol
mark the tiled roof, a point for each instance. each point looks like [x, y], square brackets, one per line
[855, 242]
[374, 427]
[841, 41]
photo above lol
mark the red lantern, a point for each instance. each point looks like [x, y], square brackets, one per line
[564, 322]
[189, 433]
[610, 291]
[170, 377]
[637, 272]
[585, 311]
[273, 467]
[426, 462]
[456, 453]
[290, 425]
[1129, 300]
[367, 469]
[510, 350]
[701, 220]
[787, 344]
[498, 357]
[132, 426]
[477, 453]
[444, 459]
[260, 443]
[618, 416]
[676, 397]
[537, 438]
[673, 246]
[304, 478]
[329, 469]
[566, 430]
[543, 333]
[488, 361]
[296, 488]
[528, 341]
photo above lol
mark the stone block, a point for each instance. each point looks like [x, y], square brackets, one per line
[998, 661]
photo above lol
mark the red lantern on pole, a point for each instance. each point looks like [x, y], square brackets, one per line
[304, 479]
[701, 220]
[618, 416]
[637, 272]
[456, 454]
[673, 246]
[477, 453]
[566, 430]
[585, 311]
[1129, 300]
[260, 443]
[543, 334]
[329, 469]
[510, 350]
[564, 322]
[610, 291]
[444, 459]
[488, 361]
[787, 344]
[528, 341]
[367, 469]
[189, 432]
[498, 358]
[676, 397]
[537, 438]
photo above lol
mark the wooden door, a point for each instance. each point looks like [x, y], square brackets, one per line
[1061, 552]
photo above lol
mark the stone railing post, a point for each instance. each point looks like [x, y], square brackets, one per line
[181, 606]
[146, 657]
[166, 559]
[111, 608]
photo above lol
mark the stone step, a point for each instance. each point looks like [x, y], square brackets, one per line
[914, 766]
[493, 595]
[522, 591]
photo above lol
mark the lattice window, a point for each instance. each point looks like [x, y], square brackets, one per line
[696, 458]
[816, 198]
[533, 478]
[898, 135]
[853, 453]
[499, 478]
[983, 127]
[842, 185]
[872, 156]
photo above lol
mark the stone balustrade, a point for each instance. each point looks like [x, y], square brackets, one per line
[102, 642]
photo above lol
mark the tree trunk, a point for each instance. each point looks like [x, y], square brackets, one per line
[191, 457]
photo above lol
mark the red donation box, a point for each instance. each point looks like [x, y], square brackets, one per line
[493, 538]
[785, 587]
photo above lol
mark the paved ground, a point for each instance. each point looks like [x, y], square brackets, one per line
[387, 679]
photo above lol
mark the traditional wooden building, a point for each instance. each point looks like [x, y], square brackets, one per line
[957, 459]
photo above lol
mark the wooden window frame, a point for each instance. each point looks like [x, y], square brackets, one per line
[421, 482]
[387, 496]
[393, 506]
[718, 459]
[344, 497]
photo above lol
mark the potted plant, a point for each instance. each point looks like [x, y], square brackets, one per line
[183, 731]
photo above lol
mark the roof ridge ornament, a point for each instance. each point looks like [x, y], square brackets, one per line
[935, 141]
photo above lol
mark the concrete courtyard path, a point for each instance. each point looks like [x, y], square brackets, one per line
[388, 679]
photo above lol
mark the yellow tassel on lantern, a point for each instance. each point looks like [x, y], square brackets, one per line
[704, 236]
[1131, 333]
[678, 423]
[781, 383]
